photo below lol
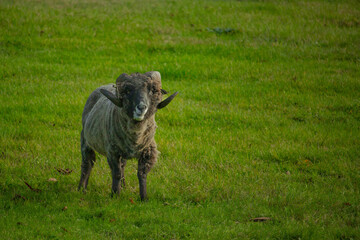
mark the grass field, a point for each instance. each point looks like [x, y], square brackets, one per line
[267, 122]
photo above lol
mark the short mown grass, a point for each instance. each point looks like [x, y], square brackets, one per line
[267, 122]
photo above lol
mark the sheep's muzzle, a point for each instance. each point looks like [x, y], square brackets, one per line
[140, 111]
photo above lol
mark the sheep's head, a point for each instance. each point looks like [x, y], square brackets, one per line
[139, 95]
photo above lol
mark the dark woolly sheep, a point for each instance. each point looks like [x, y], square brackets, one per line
[119, 123]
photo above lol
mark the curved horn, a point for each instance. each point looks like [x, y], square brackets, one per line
[111, 97]
[167, 101]
[154, 75]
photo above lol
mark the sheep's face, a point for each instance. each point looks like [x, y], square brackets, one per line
[139, 95]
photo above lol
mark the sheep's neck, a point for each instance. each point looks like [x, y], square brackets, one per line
[137, 134]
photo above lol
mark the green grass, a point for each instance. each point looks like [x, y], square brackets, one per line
[267, 123]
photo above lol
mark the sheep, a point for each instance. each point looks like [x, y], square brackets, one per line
[119, 122]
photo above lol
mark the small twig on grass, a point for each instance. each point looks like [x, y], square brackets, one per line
[260, 219]
[18, 196]
[62, 171]
[31, 188]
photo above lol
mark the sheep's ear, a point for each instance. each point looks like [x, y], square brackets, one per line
[164, 91]
[122, 78]
[111, 97]
[166, 101]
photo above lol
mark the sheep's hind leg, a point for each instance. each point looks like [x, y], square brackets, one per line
[122, 169]
[88, 160]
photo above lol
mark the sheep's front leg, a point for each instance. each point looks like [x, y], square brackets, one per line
[117, 165]
[146, 162]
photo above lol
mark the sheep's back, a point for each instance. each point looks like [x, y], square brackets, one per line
[95, 119]
[93, 99]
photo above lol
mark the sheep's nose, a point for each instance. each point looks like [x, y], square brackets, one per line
[141, 107]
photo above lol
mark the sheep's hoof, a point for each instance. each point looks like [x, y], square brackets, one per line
[80, 187]
[114, 194]
[144, 199]
[83, 190]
